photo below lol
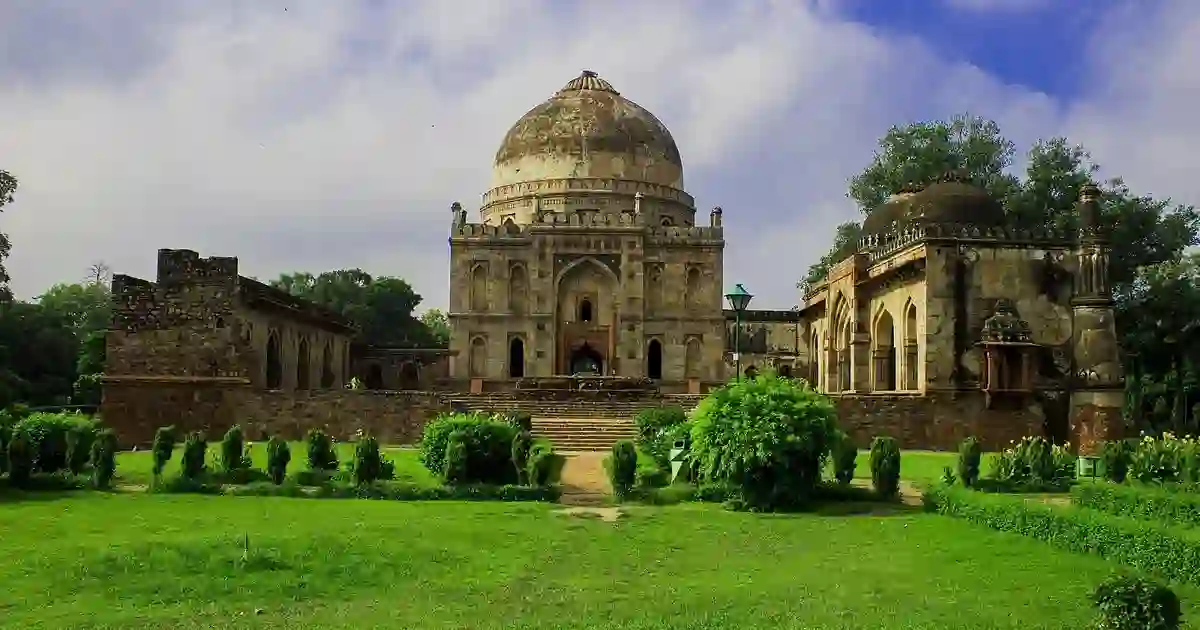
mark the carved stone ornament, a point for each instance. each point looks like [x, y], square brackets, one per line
[1005, 326]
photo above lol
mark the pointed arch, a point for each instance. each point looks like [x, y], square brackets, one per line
[516, 357]
[586, 311]
[327, 378]
[478, 357]
[303, 368]
[654, 359]
[912, 360]
[479, 287]
[374, 376]
[883, 334]
[815, 359]
[518, 289]
[693, 354]
[693, 287]
[580, 262]
[274, 362]
[841, 336]
[410, 375]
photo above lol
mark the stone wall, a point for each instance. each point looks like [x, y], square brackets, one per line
[935, 421]
[392, 417]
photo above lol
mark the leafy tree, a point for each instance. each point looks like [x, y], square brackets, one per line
[38, 352]
[845, 241]
[439, 326]
[87, 307]
[382, 307]
[8, 186]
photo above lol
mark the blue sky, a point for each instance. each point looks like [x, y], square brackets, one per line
[312, 135]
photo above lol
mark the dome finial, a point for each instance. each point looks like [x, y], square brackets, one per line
[588, 80]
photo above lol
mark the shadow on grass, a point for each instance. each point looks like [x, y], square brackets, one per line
[13, 495]
[866, 508]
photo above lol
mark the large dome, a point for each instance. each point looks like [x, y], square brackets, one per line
[588, 130]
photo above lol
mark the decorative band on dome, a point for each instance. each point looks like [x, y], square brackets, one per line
[587, 80]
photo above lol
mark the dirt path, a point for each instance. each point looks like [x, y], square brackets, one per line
[584, 481]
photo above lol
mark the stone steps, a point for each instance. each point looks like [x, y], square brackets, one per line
[583, 435]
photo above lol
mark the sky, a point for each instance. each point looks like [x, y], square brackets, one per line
[312, 135]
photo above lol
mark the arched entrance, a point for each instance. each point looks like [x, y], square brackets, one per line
[410, 376]
[375, 376]
[785, 370]
[654, 359]
[586, 360]
[274, 362]
[516, 358]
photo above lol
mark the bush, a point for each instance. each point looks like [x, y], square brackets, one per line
[658, 428]
[1117, 456]
[488, 442]
[368, 463]
[314, 477]
[845, 460]
[458, 463]
[104, 459]
[521, 444]
[162, 448]
[1133, 603]
[60, 441]
[885, 467]
[623, 472]
[179, 484]
[1143, 545]
[1034, 462]
[195, 450]
[545, 465]
[649, 475]
[20, 459]
[279, 455]
[522, 421]
[233, 450]
[1144, 502]
[969, 456]
[321, 452]
[767, 437]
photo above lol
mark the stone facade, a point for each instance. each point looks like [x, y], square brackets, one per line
[587, 257]
[768, 340]
[963, 317]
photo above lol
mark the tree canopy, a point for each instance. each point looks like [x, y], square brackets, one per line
[382, 307]
[8, 187]
[1145, 230]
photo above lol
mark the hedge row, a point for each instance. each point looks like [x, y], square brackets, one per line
[384, 490]
[1146, 546]
[1142, 502]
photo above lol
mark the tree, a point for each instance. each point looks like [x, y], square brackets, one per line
[87, 308]
[845, 241]
[381, 307]
[38, 353]
[8, 186]
[439, 326]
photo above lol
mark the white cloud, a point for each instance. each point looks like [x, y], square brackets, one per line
[337, 134]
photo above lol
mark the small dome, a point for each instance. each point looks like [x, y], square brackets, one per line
[943, 202]
[587, 129]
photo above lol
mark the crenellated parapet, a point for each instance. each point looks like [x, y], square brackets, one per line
[512, 196]
[674, 235]
[884, 244]
[517, 233]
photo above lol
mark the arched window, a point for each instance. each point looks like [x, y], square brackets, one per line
[585, 310]
[478, 357]
[911, 360]
[666, 222]
[302, 366]
[274, 365]
[327, 367]
[885, 353]
[375, 376]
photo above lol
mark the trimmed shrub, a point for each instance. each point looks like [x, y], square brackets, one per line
[649, 475]
[162, 448]
[60, 441]
[104, 459]
[488, 442]
[845, 460]
[522, 421]
[195, 450]
[314, 477]
[1117, 455]
[658, 428]
[20, 459]
[279, 455]
[545, 465]
[368, 463]
[885, 467]
[321, 452]
[1143, 545]
[458, 463]
[970, 453]
[233, 450]
[1132, 603]
[1143, 502]
[767, 437]
[623, 472]
[521, 444]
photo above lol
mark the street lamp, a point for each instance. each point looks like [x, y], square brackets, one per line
[738, 299]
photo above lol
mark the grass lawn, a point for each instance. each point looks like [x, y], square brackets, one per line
[921, 466]
[95, 560]
[137, 468]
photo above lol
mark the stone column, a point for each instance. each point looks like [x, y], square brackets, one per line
[1097, 392]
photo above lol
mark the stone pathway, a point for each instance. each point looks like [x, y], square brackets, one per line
[584, 481]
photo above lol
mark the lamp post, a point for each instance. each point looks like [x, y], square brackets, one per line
[738, 299]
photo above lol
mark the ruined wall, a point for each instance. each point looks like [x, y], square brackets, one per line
[935, 421]
[392, 417]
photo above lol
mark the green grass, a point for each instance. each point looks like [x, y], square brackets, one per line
[137, 467]
[152, 561]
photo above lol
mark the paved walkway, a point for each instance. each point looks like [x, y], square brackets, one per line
[584, 481]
